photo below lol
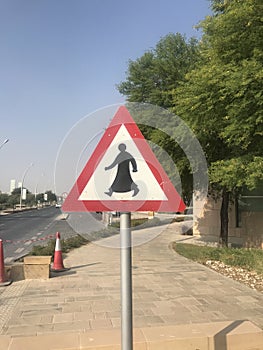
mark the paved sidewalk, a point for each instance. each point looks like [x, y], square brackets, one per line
[168, 290]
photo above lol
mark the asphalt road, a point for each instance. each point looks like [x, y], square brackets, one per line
[19, 231]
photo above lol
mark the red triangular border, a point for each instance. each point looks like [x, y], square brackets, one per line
[174, 203]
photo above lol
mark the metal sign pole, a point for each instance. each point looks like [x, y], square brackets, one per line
[126, 282]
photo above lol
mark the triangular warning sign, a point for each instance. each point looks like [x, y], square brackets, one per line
[123, 174]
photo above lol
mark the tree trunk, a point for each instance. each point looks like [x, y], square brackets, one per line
[224, 218]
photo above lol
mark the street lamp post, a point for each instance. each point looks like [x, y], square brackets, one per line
[22, 183]
[3, 143]
[36, 189]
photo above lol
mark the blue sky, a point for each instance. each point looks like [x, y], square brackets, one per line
[61, 60]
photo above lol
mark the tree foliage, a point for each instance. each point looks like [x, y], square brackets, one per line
[152, 77]
[11, 200]
[222, 98]
[216, 87]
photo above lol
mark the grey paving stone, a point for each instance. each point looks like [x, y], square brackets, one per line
[167, 290]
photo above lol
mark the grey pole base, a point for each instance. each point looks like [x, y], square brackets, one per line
[6, 283]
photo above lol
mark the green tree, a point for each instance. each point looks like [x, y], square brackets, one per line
[152, 77]
[3, 200]
[16, 191]
[222, 99]
[12, 201]
[51, 197]
[40, 197]
[30, 199]
[14, 198]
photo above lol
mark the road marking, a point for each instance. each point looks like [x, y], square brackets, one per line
[27, 243]
[33, 237]
[39, 233]
[9, 259]
[19, 250]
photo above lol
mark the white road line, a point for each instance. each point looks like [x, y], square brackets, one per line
[39, 233]
[34, 237]
[9, 259]
[19, 250]
[27, 243]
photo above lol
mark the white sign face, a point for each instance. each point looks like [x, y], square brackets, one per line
[24, 194]
[102, 184]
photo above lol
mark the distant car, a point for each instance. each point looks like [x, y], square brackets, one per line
[58, 205]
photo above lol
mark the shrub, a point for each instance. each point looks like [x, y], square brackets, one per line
[250, 259]
[66, 245]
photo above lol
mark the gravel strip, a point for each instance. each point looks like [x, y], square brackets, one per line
[249, 278]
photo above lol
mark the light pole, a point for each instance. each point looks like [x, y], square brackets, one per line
[22, 183]
[36, 189]
[3, 143]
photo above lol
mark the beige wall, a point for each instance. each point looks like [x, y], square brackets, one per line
[207, 224]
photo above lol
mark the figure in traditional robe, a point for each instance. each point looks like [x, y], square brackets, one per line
[123, 181]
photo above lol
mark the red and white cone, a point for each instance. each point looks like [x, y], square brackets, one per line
[3, 279]
[58, 265]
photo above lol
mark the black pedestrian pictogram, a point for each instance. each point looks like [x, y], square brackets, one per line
[123, 181]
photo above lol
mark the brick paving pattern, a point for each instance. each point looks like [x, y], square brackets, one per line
[167, 290]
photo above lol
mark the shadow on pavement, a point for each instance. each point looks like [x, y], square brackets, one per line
[220, 339]
[69, 271]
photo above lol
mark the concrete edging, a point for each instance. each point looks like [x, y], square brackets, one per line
[229, 335]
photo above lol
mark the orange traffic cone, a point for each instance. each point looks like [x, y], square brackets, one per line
[3, 279]
[58, 261]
